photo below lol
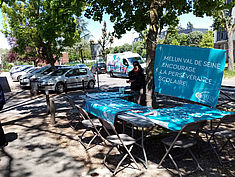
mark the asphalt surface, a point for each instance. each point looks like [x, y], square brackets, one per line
[36, 148]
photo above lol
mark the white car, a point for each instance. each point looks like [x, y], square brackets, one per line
[65, 78]
[17, 75]
[19, 68]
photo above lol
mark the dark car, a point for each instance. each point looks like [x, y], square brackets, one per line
[2, 98]
[101, 68]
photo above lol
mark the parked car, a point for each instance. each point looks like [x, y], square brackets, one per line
[81, 66]
[101, 68]
[2, 98]
[19, 68]
[25, 79]
[16, 76]
[69, 77]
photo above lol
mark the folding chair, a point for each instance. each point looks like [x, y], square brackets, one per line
[93, 125]
[183, 141]
[123, 142]
[223, 133]
[73, 112]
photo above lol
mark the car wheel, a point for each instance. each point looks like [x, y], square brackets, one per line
[59, 88]
[91, 84]
[18, 78]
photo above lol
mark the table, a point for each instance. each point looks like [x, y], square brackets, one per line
[175, 118]
[171, 118]
[108, 108]
[105, 95]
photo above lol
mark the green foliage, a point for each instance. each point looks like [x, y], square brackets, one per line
[42, 29]
[182, 38]
[207, 40]
[194, 38]
[175, 42]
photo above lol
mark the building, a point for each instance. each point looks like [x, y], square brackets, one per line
[221, 37]
[62, 60]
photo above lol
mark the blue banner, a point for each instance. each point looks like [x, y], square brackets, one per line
[190, 73]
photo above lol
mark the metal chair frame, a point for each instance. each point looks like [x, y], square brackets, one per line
[196, 128]
[118, 140]
[222, 133]
[92, 125]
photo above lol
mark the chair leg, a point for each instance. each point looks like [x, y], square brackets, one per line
[216, 153]
[198, 165]
[94, 137]
[174, 163]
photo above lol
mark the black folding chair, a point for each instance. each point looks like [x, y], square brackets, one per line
[222, 132]
[73, 113]
[123, 142]
[184, 139]
[93, 125]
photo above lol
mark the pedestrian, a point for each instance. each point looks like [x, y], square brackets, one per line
[2, 135]
[137, 81]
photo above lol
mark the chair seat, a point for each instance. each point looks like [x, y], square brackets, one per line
[182, 142]
[225, 133]
[87, 123]
[127, 140]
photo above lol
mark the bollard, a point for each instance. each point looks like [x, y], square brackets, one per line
[52, 111]
[47, 101]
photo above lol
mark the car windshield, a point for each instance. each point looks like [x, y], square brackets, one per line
[81, 65]
[42, 69]
[139, 59]
[101, 64]
[60, 72]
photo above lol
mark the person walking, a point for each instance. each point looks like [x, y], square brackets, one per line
[137, 81]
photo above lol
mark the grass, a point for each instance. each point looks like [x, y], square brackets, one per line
[229, 74]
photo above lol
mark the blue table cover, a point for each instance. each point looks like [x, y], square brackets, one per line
[175, 118]
[108, 108]
[104, 95]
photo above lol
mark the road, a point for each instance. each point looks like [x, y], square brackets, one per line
[105, 81]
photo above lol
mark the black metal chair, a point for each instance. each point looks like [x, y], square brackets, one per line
[93, 125]
[123, 142]
[222, 132]
[73, 113]
[184, 139]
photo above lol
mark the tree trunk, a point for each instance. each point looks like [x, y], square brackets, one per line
[151, 47]
[230, 51]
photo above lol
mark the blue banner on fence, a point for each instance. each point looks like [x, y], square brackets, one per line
[189, 72]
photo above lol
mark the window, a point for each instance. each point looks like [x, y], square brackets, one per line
[82, 71]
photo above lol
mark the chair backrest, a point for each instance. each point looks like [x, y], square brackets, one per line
[193, 126]
[228, 119]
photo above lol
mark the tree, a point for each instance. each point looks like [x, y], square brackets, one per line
[140, 14]
[221, 11]
[78, 49]
[207, 40]
[42, 28]
[194, 38]
[105, 41]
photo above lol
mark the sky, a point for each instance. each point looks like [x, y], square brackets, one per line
[95, 29]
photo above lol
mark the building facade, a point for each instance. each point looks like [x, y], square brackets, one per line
[221, 37]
